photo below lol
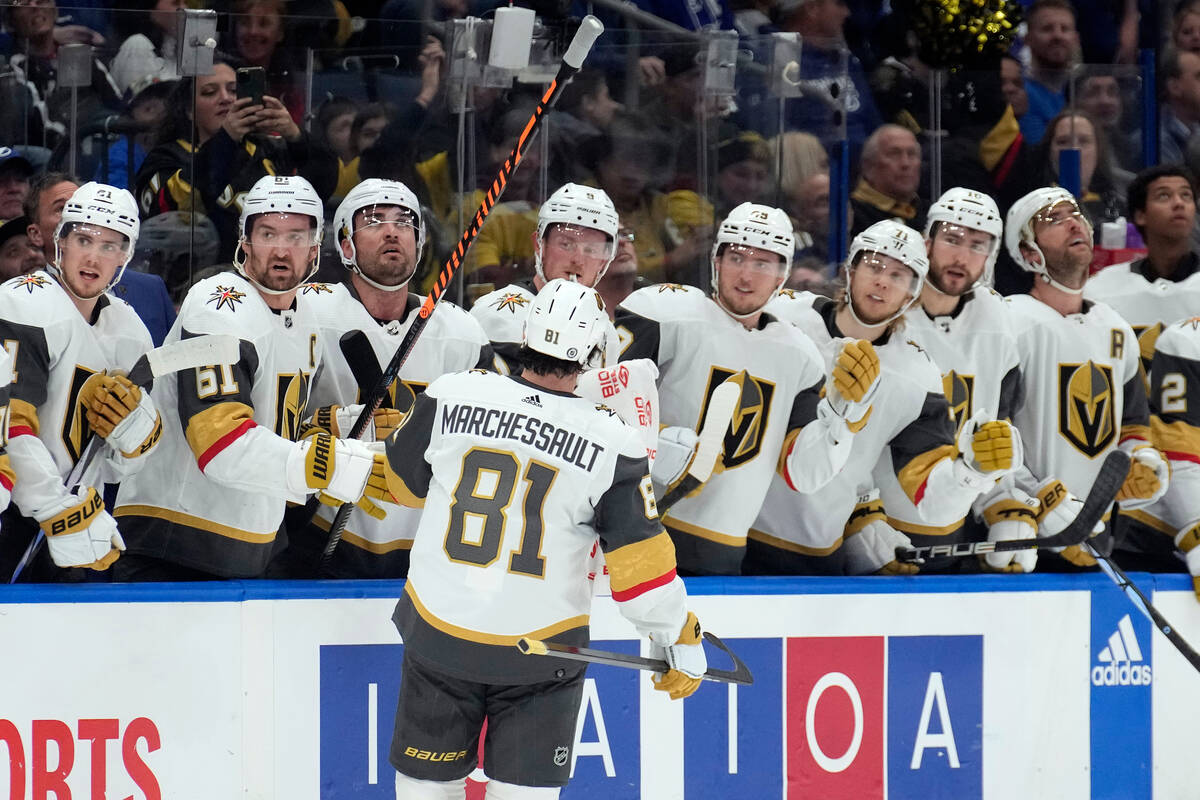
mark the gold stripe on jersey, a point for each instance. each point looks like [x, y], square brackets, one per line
[378, 548]
[639, 562]
[1135, 432]
[1149, 520]
[704, 533]
[1175, 438]
[912, 528]
[7, 476]
[792, 547]
[789, 442]
[207, 427]
[199, 523]
[915, 473]
[490, 638]
[22, 415]
[399, 489]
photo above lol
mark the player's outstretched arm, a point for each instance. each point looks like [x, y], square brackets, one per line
[826, 416]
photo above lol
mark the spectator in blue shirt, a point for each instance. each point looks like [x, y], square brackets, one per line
[1053, 48]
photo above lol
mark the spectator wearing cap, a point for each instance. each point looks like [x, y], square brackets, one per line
[887, 187]
[820, 23]
[743, 169]
[146, 293]
[1053, 49]
[17, 255]
[147, 54]
[15, 171]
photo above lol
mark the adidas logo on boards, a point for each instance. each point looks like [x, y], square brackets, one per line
[1119, 659]
[533, 400]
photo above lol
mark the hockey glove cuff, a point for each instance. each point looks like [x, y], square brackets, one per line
[852, 384]
[989, 450]
[686, 660]
[343, 471]
[80, 533]
[675, 450]
[1012, 517]
[1058, 510]
[870, 542]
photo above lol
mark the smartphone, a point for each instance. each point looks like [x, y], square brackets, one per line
[252, 82]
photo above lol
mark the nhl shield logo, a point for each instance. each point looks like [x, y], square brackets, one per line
[560, 756]
[1086, 399]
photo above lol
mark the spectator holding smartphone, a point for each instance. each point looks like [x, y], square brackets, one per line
[234, 141]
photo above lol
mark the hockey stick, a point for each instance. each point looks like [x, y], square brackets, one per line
[1100, 498]
[1143, 604]
[198, 351]
[588, 31]
[717, 417]
[740, 674]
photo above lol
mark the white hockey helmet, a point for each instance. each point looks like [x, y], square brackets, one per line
[890, 238]
[1018, 229]
[106, 207]
[375, 192]
[755, 225]
[279, 194]
[584, 207]
[567, 321]
[970, 209]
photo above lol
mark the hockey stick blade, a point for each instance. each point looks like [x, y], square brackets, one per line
[740, 674]
[717, 417]
[1104, 490]
[193, 353]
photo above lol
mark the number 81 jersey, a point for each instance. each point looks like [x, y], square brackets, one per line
[517, 481]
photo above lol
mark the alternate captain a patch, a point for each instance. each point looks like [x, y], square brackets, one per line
[225, 297]
[513, 301]
[30, 282]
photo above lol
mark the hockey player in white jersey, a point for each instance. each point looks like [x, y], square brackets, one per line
[380, 238]
[518, 476]
[1175, 421]
[576, 239]
[782, 421]
[908, 451]
[71, 344]
[967, 329]
[211, 501]
[1153, 292]
[1084, 391]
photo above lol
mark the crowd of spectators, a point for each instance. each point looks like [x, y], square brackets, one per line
[356, 90]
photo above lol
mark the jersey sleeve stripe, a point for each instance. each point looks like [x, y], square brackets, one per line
[7, 476]
[642, 588]
[1135, 432]
[914, 475]
[23, 420]
[785, 453]
[215, 428]
[1179, 440]
[634, 565]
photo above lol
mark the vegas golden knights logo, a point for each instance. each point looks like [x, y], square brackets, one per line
[75, 430]
[1086, 406]
[291, 397]
[960, 394]
[743, 440]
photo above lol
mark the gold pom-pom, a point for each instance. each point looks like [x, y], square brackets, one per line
[954, 33]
